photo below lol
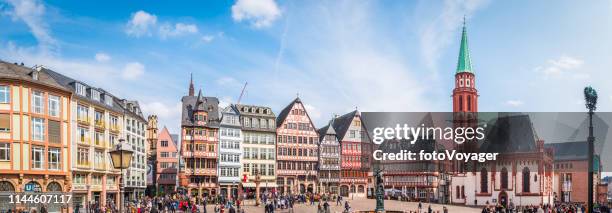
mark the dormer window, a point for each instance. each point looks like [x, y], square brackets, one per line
[81, 89]
[108, 100]
[95, 94]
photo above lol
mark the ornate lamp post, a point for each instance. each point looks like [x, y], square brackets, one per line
[121, 157]
[590, 96]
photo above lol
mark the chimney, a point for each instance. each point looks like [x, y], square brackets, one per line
[36, 71]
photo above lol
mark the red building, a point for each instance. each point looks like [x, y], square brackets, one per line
[355, 154]
[199, 134]
[167, 161]
[296, 150]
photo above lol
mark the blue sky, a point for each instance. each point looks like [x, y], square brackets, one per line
[337, 55]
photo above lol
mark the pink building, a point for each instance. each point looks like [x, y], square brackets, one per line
[167, 161]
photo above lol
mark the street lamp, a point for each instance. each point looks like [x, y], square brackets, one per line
[121, 157]
[590, 97]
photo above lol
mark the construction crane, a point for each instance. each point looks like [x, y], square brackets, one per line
[242, 92]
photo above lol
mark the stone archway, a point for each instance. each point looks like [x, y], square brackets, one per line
[7, 187]
[344, 190]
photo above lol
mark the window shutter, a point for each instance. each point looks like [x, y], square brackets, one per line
[54, 132]
[5, 123]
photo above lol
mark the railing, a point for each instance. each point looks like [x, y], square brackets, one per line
[84, 140]
[83, 120]
[100, 166]
[100, 124]
[100, 143]
[83, 164]
[115, 128]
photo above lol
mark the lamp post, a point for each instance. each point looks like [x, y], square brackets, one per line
[121, 157]
[590, 97]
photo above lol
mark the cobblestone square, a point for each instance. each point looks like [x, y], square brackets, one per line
[362, 204]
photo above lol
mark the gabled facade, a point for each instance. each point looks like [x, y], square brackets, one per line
[354, 142]
[199, 146]
[230, 152]
[329, 160]
[166, 176]
[296, 150]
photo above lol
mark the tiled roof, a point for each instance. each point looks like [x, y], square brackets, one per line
[510, 134]
[14, 71]
[194, 103]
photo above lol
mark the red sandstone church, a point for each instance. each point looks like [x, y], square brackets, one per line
[523, 173]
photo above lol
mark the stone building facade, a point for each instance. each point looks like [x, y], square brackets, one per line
[258, 148]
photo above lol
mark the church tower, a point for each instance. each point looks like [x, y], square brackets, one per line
[465, 101]
[191, 89]
[465, 95]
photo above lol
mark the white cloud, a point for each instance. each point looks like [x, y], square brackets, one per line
[438, 35]
[168, 114]
[561, 66]
[133, 70]
[227, 81]
[102, 57]
[207, 38]
[313, 112]
[225, 101]
[514, 103]
[178, 29]
[259, 13]
[141, 24]
[32, 12]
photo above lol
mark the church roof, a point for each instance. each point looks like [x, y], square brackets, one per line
[465, 62]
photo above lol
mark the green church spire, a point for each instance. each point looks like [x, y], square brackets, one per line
[465, 63]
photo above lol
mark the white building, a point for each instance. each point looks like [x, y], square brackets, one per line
[230, 152]
[134, 133]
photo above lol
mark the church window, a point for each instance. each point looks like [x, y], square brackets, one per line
[484, 180]
[504, 178]
[526, 179]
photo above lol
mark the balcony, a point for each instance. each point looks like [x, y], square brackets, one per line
[83, 120]
[100, 143]
[83, 140]
[83, 165]
[115, 128]
[100, 166]
[100, 124]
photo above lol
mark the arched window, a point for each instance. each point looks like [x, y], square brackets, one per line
[484, 180]
[462, 191]
[460, 103]
[54, 187]
[526, 179]
[504, 178]
[6, 186]
[469, 102]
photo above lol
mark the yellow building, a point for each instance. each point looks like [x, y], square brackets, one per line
[97, 118]
[34, 131]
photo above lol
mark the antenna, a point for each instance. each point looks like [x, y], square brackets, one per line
[242, 92]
